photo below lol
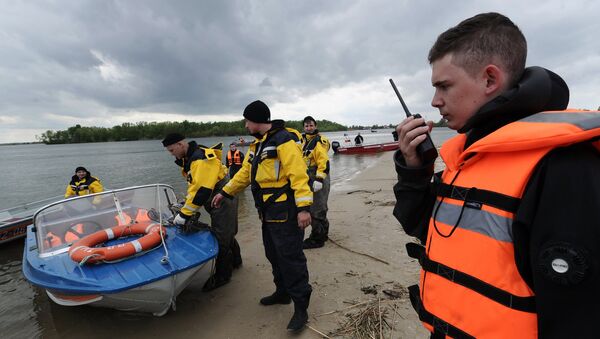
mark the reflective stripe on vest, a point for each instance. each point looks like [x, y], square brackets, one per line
[470, 279]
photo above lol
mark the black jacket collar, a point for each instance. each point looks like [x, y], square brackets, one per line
[192, 145]
[538, 90]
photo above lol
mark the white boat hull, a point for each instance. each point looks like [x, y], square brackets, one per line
[156, 297]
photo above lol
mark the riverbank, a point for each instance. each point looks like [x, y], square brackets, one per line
[366, 256]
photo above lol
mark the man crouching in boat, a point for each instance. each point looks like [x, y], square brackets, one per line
[83, 183]
[206, 174]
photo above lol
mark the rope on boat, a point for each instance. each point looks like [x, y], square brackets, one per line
[82, 262]
[165, 259]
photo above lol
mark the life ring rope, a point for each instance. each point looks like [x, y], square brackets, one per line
[84, 250]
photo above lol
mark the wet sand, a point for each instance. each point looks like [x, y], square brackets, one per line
[361, 220]
[360, 214]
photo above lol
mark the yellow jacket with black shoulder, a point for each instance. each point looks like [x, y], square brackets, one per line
[272, 165]
[314, 152]
[295, 135]
[85, 186]
[202, 169]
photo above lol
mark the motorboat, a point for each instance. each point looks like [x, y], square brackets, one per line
[14, 220]
[361, 149]
[116, 249]
[243, 143]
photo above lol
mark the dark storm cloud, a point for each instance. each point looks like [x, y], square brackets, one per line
[66, 61]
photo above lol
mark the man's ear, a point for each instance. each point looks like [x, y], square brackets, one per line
[495, 79]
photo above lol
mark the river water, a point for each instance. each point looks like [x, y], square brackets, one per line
[34, 172]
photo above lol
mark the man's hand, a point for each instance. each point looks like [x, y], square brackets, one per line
[317, 186]
[410, 134]
[303, 219]
[180, 219]
[216, 202]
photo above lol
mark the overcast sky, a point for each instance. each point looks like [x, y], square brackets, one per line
[102, 63]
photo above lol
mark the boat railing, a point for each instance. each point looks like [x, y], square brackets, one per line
[25, 210]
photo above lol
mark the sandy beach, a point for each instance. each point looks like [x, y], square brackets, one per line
[365, 257]
[360, 214]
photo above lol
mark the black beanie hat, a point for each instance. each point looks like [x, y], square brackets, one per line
[257, 112]
[172, 138]
[308, 118]
[81, 168]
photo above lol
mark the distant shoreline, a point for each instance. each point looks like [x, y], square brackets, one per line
[21, 143]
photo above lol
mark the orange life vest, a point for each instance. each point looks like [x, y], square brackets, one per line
[470, 285]
[71, 235]
[141, 216]
[237, 159]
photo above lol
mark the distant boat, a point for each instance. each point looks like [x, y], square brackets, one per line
[372, 148]
[143, 274]
[373, 131]
[14, 220]
[243, 143]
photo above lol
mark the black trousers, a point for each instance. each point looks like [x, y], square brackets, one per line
[318, 212]
[224, 222]
[233, 169]
[283, 248]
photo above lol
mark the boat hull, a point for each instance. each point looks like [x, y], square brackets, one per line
[366, 149]
[156, 297]
[14, 230]
[243, 144]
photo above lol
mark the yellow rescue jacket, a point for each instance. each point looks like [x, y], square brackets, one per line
[85, 186]
[202, 168]
[314, 152]
[470, 285]
[295, 135]
[275, 168]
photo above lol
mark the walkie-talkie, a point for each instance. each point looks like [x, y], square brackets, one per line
[426, 149]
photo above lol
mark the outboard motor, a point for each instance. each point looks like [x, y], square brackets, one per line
[335, 145]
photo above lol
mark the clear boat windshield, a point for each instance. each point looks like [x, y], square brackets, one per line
[60, 224]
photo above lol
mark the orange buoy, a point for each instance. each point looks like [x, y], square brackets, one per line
[83, 251]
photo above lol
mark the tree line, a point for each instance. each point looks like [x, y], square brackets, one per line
[157, 130]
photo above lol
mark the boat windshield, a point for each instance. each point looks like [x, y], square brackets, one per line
[60, 224]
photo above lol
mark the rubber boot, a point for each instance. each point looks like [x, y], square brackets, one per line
[311, 243]
[276, 298]
[298, 320]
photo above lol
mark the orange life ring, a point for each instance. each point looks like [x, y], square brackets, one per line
[83, 250]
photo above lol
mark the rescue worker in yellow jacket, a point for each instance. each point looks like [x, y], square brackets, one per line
[205, 174]
[315, 148]
[83, 183]
[512, 247]
[234, 159]
[277, 175]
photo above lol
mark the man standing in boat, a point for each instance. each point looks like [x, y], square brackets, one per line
[314, 151]
[205, 175]
[510, 227]
[358, 140]
[235, 158]
[83, 183]
[277, 174]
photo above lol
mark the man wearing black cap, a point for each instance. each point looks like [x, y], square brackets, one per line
[205, 174]
[277, 174]
[83, 183]
[314, 151]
